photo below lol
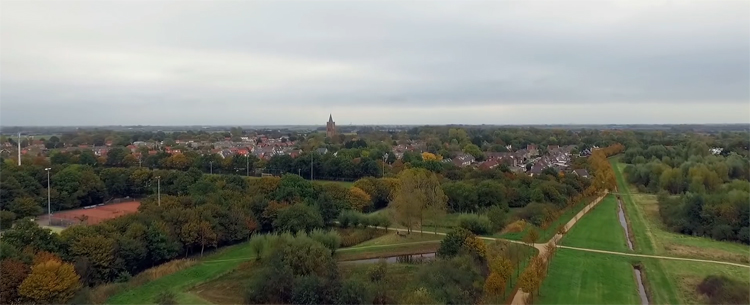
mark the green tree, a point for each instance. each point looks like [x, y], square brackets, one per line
[116, 155]
[29, 233]
[206, 235]
[353, 292]
[419, 191]
[99, 250]
[490, 193]
[6, 219]
[453, 281]
[475, 151]
[453, 242]
[298, 217]
[78, 186]
[498, 217]
[293, 188]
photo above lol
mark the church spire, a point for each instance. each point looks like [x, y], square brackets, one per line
[330, 118]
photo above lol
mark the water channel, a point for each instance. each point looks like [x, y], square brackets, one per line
[636, 270]
[624, 222]
[395, 259]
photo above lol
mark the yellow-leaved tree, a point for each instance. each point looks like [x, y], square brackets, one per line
[426, 156]
[494, 285]
[358, 199]
[50, 282]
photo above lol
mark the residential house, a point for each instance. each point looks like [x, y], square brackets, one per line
[100, 151]
[532, 149]
[537, 168]
[463, 160]
[322, 150]
[581, 173]
[489, 164]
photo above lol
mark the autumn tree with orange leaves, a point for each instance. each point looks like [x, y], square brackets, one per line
[12, 273]
[50, 282]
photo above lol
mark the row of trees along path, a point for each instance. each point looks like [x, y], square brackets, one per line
[520, 296]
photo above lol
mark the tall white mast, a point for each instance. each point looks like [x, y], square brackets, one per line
[19, 149]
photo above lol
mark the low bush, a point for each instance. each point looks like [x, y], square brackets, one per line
[722, 290]
[477, 224]
[516, 226]
[351, 237]
[538, 213]
[498, 217]
[100, 294]
[379, 220]
[166, 298]
[160, 271]
[330, 239]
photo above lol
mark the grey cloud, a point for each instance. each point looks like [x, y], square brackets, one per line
[256, 55]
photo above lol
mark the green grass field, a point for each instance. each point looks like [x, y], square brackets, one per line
[549, 232]
[684, 277]
[652, 238]
[393, 239]
[576, 277]
[190, 284]
[599, 229]
[210, 267]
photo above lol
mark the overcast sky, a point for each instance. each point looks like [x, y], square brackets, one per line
[374, 62]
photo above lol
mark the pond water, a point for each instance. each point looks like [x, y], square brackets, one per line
[394, 259]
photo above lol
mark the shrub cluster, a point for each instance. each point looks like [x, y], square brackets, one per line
[477, 224]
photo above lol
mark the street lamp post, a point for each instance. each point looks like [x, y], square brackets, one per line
[49, 206]
[211, 163]
[247, 165]
[158, 190]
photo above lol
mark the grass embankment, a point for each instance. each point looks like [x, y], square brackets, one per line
[588, 278]
[599, 229]
[675, 279]
[226, 289]
[652, 237]
[551, 230]
[687, 276]
[594, 278]
[391, 245]
[229, 287]
[221, 271]
[211, 266]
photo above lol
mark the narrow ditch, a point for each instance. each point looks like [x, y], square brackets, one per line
[641, 287]
[623, 222]
[394, 259]
[636, 268]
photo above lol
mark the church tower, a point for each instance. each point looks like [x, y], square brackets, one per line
[330, 127]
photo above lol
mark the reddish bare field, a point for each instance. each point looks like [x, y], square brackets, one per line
[93, 215]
